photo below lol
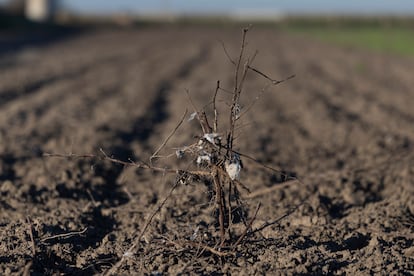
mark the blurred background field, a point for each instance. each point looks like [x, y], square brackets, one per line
[373, 25]
[393, 35]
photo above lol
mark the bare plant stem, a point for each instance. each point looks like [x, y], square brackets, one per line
[248, 227]
[236, 93]
[33, 244]
[155, 154]
[269, 190]
[288, 213]
[64, 235]
[205, 247]
[130, 163]
[215, 127]
[220, 206]
[230, 219]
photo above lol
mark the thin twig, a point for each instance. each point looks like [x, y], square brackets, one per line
[248, 227]
[194, 107]
[230, 210]
[198, 253]
[64, 235]
[244, 75]
[215, 127]
[94, 203]
[134, 246]
[226, 90]
[215, 251]
[209, 248]
[201, 116]
[270, 190]
[262, 91]
[273, 82]
[220, 205]
[199, 173]
[227, 53]
[254, 160]
[27, 268]
[239, 60]
[29, 222]
[265, 166]
[240, 203]
[232, 119]
[155, 154]
[288, 213]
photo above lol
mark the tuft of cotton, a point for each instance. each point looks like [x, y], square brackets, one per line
[203, 159]
[179, 153]
[233, 167]
[192, 116]
[211, 136]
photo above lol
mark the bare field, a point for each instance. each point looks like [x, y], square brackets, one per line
[343, 127]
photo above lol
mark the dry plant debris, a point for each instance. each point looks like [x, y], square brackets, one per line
[218, 166]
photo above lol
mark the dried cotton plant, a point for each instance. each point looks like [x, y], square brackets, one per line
[216, 163]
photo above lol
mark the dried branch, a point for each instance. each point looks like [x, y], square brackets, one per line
[239, 60]
[155, 154]
[236, 93]
[209, 248]
[273, 81]
[220, 204]
[288, 213]
[227, 53]
[230, 210]
[33, 244]
[201, 116]
[248, 227]
[130, 163]
[270, 190]
[215, 108]
[64, 235]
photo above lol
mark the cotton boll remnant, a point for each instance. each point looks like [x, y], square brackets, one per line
[203, 159]
[211, 137]
[192, 116]
[234, 167]
[179, 153]
[200, 145]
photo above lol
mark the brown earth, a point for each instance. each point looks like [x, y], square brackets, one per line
[343, 127]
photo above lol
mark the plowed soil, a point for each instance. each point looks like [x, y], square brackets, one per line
[343, 127]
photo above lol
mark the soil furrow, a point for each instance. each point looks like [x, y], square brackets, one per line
[29, 88]
[342, 125]
[369, 98]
